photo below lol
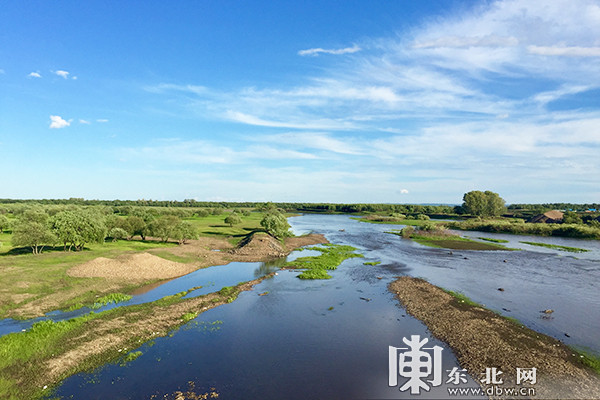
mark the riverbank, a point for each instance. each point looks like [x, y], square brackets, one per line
[482, 339]
[35, 361]
[33, 285]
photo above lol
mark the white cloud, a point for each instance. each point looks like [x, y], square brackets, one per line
[183, 88]
[404, 191]
[34, 75]
[574, 51]
[83, 121]
[316, 124]
[315, 52]
[74, 78]
[474, 41]
[57, 122]
[312, 140]
[64, 74]
[102, 120]
[547, 97]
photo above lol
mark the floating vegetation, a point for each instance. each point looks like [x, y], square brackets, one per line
[557, 247]
[493, 240]
[372, 263]
[130, 357]
[111, 298]
[316, 267]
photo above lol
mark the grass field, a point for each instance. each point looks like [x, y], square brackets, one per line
[27, 277]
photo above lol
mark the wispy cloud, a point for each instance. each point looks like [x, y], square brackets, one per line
[465, 41]
[34, 75]
[102, 120]
[83, 121]
[57, 122]
[64, 74]
[574, 51]
[316, 51]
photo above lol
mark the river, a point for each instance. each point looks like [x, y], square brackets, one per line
[330, 338]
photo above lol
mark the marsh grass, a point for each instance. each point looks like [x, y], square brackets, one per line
[493, 240]
[557, 247]
[372, 263]
[111, 298]
[438, 237]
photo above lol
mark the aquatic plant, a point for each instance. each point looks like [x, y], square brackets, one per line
[493, 240]
[557, 247]
[111, 298]
[372, 263]
[331, 256]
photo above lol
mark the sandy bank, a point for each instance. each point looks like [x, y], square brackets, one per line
[481, 338]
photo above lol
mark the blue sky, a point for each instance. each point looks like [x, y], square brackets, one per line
[318, 101]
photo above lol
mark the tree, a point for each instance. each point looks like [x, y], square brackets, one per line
[203, 213]
[79, 227]
[32, 230]
[4, 223]
[217, 211]
[571, 217]
[164, 227]
[117, 233]
[184, 231]
[136, 226]
[233, 219]
[275, 224]
[483, 204]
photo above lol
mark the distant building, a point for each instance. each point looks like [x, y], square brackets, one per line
[550, 217]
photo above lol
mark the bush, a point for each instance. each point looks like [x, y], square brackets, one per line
[423, 217]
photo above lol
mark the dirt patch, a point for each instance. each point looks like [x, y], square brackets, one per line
[134, 268]
[481, 339]
[306, 240]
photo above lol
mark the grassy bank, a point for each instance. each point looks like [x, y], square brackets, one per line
[441, 239]
[522, 228]
[332, 255]
[557, 247]
[28, 279]
[35, 361]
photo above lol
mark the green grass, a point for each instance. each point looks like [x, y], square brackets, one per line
[372, 263]
[557, 247]
[445, 241]
[111, 298]
[493, 240]
[588, 358]
[316, 267]
[37, 276]
[518, 227]
[130, 357]
[462, 298]
[21, 353]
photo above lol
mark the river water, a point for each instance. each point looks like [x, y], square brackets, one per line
[330, 339]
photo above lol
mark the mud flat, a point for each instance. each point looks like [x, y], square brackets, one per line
[482, 339]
